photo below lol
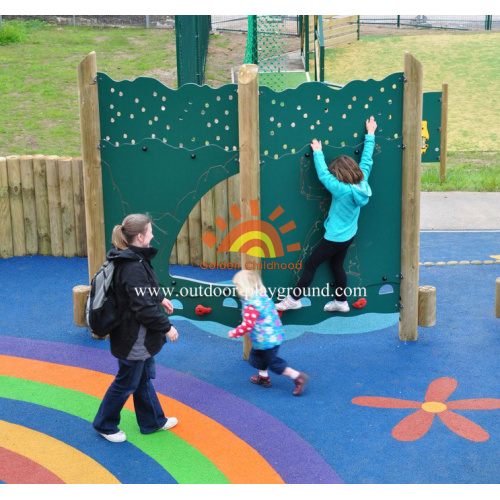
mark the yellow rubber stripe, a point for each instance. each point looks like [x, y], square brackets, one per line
[69, 464]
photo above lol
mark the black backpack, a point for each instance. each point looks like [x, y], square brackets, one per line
[101, 312]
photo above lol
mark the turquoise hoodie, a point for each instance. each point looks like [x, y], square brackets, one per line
[347, 199]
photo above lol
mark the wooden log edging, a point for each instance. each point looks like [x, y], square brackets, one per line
[41, 206]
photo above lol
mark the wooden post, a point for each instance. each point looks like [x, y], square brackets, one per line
[497, 298]
[173, 255]
[42, 205]
[248, 123]
[79, 207]
[54, 199]
[194, 222]
[222, 211]
[183, 245]
[233, 194]
[208, 224]
[92, 177]
[426, 306]
[444, 133]
[67, 206]
[410, 210]
[16, 205]
[6, 246]
[80, 293]
[29, 205]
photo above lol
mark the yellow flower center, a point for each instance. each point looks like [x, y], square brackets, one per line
[434, 407]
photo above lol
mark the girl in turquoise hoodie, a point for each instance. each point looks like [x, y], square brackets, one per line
[348, 183]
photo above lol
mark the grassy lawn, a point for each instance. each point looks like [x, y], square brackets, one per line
[39, 105]
[470, 64]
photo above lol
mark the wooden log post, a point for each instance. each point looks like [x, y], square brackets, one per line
[233, 194]
[444, 133]
[42, 205]
[67, 206]
[426, 306]
[173, 255]
[221, 216]
[410, 214]
[80, 293]
[92, 176]
[79, 206]
[248, 123]
[497, 298]
[16, 205]
[91, 156]
[6, 244]
[208, 224]
[54, 199]
[29, 204]
[183, 245]
[194, 222]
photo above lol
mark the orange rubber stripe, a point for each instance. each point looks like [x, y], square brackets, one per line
[238, 461]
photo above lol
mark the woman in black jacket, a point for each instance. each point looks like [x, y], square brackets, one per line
[141, 333]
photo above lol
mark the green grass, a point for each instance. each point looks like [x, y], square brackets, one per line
[470, 64]
[38, 78]
[39, 104]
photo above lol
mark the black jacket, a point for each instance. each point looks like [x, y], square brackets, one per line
[141, 334]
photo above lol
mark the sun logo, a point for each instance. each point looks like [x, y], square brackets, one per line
[257, 238]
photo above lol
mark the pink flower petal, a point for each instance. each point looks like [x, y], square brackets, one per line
[463, 426]
[378, 402]
[440, 389]
[413, 426]
[474, 404]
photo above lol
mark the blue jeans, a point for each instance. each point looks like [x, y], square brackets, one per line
[262, 359]
[134, 377]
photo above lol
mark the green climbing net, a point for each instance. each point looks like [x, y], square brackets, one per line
[265, 47]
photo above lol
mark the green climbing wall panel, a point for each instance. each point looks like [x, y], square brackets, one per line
[163, 149]
[432, 121]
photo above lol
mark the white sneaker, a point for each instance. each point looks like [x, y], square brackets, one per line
[171, 422]
[117, 437]
[334, 305]
[288, 303]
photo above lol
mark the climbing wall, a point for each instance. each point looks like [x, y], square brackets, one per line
[163, 149]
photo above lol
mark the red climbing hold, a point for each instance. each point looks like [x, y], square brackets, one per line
[200, 310]
[280, 313]
[359, 304]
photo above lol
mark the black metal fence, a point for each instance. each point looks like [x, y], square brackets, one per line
[239, 22]
[465, 23]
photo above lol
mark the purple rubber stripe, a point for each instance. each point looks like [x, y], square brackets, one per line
[280, 446]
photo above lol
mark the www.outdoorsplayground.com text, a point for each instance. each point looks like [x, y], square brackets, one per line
[227, 291]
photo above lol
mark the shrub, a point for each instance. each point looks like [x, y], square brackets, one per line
[17, 31]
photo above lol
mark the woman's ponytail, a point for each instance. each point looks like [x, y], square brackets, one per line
[124, 234]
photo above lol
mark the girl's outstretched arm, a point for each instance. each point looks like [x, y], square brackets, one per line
[250, 315]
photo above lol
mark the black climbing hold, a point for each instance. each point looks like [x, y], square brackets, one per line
[307, 154]
[144, 148]
[193, 156]
[384, 278]
[356, 152]
[174, 283]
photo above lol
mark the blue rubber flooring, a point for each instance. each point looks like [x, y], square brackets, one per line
[355, 441]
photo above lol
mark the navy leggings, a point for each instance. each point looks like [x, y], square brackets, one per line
[327, 250]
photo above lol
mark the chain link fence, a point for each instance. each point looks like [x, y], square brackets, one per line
[102, 21]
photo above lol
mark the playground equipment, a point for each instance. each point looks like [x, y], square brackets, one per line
[175, 145]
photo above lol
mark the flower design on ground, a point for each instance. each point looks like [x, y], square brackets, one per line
[417, 424]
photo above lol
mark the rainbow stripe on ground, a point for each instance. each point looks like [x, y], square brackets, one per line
[50, 393]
